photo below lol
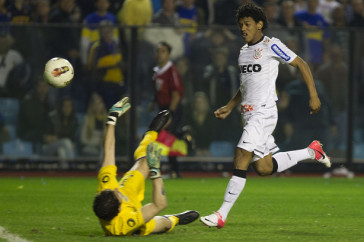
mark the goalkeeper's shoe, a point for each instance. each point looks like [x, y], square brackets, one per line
[186, 217]
[320, 155]
[213, 220]
[160, 120]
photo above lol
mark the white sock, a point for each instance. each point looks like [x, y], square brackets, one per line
[288, 159]
[233, 190]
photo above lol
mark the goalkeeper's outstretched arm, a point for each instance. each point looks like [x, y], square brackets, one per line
[115, 112]
[109, 146]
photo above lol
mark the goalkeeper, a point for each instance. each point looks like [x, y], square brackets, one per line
[118, 204]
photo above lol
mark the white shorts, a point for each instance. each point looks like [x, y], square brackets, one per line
[259, 125]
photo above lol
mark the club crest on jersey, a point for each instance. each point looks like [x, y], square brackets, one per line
[258, 53]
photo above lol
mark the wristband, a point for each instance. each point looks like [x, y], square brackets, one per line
[154, 173]
[112, 118]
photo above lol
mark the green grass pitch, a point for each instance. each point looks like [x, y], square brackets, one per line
[269, 209]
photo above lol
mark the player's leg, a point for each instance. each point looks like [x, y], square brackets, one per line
[173, 162]
[281, 161]
[173, 128]
[235, 187]
[162, 224]
[150, 136]
[167, 223]
[264, 166]
[284, 160]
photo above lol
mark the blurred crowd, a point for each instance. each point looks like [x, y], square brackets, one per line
[95, 36]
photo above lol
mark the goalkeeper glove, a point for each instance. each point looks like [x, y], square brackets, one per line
[117, 110]
[153, 160]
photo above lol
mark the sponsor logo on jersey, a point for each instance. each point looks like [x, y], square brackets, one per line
[258, 53]
[250, 68]
[280, 52]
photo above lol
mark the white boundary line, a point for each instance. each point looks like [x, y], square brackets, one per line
[4, 234]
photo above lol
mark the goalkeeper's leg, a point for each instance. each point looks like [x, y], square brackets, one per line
[150, 136]
[167, 223]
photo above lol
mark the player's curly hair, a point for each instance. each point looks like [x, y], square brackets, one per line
[250, 9]
[106, 205]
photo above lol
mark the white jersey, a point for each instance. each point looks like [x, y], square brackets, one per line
[259, 70]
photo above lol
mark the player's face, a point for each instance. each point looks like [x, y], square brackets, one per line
[162, 55]
[251, 31]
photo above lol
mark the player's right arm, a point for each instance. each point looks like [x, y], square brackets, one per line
[115, 112]
[224, 111]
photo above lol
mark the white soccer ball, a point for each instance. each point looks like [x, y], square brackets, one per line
[58, 72]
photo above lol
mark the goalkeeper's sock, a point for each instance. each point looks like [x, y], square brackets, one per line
[285, 160]
[174, 221]
[141, 151]
[233, 190]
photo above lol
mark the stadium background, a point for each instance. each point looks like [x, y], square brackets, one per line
[338, 71]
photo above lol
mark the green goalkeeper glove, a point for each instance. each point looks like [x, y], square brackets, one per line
[153, 159]
[117, 110]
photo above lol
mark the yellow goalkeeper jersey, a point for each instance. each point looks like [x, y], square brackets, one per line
[129, 220]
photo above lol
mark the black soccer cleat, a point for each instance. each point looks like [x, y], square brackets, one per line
[160, 120]
[187, 217]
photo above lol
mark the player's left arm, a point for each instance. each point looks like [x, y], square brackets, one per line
[115, 112]
[315, 103]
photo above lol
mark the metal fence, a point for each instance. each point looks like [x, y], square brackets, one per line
[206, 58]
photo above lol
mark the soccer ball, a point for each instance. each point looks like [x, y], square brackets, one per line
[58, 72]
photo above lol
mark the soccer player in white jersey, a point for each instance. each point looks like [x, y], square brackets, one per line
[258, 60]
